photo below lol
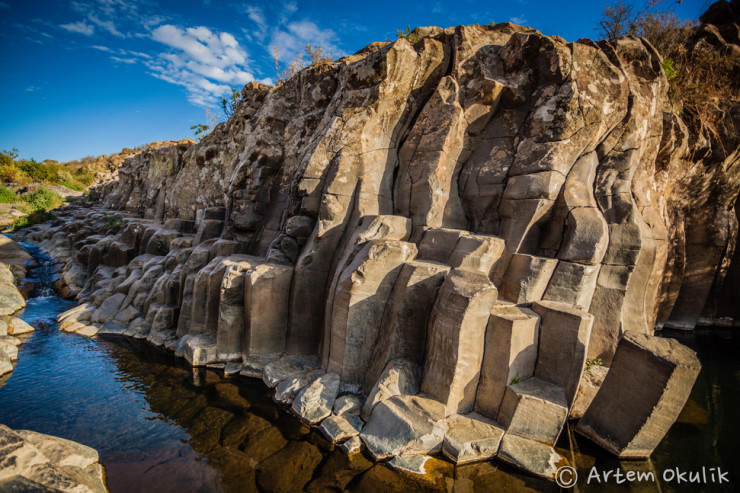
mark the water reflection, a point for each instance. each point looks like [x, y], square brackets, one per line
[256, 446]
[161, 426]
[704, 436]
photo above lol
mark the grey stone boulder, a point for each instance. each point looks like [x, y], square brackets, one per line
[352, 446]
[338, 429]
[199, 350]
[286, 367]
[109, 308]
[531, 456]
[253, 366]
[348, 405]
[534, 409]
[399, 377]
[315, 402]
[405, 424]
[410, 464]
[287, 389]
[471, 438]
[112, 327]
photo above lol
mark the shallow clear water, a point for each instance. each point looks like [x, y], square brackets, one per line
[162, 426]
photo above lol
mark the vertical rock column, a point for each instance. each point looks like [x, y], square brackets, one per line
[510, 354]
[404, 327]
[456, 339]
[359, 302]
[564, 336]
[266, 302]
[231, 313]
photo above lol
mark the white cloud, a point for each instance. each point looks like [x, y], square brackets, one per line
[137, 53]
[123, 60]
[32, 88]
[101, 48]
[290, 7]
[292, 40]
[520, 19]
[206, 63]
[79, 27]
[257, 16]
[105, 25]
[120, 18]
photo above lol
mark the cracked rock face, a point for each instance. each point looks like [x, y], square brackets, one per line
[487, 207]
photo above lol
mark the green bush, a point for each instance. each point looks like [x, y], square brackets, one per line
[42, 199]
[73, 186]
[36, 217]
[669, 69]
[113, 223]
[7, 196]
[408, 34]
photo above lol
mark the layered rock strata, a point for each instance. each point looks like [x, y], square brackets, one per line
[442, 232]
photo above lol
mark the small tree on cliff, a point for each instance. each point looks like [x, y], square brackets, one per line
[616, 20]
[314, 54]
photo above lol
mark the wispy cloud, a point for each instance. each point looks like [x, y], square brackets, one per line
[32, 88]
[202, 61]
[257, 16]
[137, 54]
[519, 19]
[123, 60]
[101, 48]
[106, 25]
[290, 7]
[120, 18]
[80, 27]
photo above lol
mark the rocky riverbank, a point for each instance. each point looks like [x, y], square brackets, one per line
[44, 463]
[13, 263]
[34, 461]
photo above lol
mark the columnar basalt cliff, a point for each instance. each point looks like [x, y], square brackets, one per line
[422, 245]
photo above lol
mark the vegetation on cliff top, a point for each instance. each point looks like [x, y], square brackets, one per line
[34, 188]
[702, 67]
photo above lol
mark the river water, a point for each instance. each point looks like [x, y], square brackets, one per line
[161, 426]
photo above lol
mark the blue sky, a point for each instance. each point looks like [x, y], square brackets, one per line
[89, 77]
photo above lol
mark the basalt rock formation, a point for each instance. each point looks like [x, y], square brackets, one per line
[421, 245]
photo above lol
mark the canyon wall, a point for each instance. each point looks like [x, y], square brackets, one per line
[460, 238]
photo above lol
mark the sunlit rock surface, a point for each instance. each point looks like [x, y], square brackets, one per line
[475, 217]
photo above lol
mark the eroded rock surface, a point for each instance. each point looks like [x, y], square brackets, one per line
[37, 462]
[472, 217]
